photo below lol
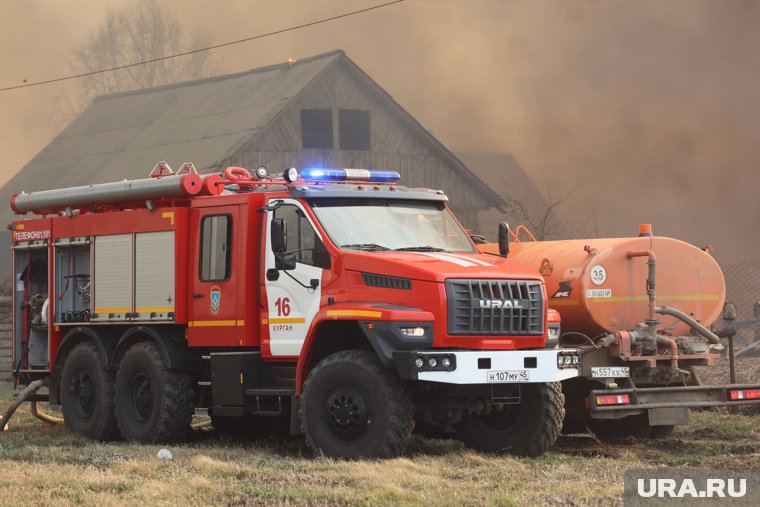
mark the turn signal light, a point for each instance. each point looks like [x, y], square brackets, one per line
[744, 394]
[613, 399]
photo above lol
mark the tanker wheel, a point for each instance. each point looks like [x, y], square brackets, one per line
[661, 431]
[87, 394]
[634, 426]
[353, 407]
[153, 404]
[529, 428]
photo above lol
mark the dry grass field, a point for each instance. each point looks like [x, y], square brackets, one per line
[47, 465]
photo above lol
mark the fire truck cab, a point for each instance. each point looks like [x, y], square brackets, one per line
[334, 301]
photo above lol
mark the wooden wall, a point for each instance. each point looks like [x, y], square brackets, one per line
[395, 145]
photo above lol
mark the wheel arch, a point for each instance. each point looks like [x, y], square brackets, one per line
[174, 351]
[328, 337]
[104, 342]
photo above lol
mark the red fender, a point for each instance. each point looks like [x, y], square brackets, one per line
[353, 311]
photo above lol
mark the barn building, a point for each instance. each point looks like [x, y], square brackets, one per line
[317, 111]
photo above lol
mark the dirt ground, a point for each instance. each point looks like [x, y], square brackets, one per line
[43, 464]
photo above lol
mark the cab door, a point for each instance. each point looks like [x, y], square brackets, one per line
[214, 271]
[293, 295]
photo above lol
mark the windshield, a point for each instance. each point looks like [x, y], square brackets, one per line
[377, 225]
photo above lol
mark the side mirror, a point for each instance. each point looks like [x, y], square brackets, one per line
[503, 239]
[320, 256]
[279, 235]
[285, 261]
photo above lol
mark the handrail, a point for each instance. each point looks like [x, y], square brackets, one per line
[516, 234]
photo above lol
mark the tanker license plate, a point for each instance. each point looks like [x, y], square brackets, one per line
[502, 376]
[610, 372]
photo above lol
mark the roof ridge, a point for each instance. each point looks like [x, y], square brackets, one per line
[222, 77]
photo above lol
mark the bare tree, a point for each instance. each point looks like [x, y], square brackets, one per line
[545, 221]
[140, 32]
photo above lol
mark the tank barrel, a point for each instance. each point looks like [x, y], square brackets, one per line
[128, 191]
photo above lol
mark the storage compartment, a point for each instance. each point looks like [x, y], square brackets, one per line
[72, 280]
[133, 277]
[31, 306]
[112, 281]
[154, 276]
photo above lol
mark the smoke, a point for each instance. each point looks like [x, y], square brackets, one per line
[648, 109]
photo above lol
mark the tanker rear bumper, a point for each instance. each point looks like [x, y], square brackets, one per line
[660, 399]
[488, 366]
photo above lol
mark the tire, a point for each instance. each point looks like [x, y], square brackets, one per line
[633, 426]
[528, 429]
[659, 432]
[87, 394]
[353, 407]
[153, 404]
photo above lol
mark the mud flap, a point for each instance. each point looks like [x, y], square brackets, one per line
[668, 416]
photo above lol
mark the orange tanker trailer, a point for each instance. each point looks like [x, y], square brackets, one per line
[640, 308]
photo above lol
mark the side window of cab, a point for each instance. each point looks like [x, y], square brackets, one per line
[301, 237]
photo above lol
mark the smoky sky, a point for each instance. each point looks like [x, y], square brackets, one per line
[648, 111]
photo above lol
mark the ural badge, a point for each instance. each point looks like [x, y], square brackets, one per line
[216, 299]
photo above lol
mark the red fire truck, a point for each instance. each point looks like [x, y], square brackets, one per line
[334, 300]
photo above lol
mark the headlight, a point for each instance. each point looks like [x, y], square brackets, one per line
[415, 332]
[568, 359]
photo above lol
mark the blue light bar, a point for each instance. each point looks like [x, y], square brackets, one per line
[319, 174]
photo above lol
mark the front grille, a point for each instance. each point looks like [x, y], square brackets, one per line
[495, 307]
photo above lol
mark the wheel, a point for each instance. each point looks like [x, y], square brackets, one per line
[529, 428]
[87, 394]
[659, 432]
[153, 404]
[635, 426]
[354, 407]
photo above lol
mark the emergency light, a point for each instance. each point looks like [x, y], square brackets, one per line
[319, 174]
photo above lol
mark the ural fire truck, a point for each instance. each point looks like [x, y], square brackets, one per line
[638, 308]
[334, 301]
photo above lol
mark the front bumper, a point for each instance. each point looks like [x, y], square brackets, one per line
[488, 366]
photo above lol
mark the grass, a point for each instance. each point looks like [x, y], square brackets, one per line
[43, 464]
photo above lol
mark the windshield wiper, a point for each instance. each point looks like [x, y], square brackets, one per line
[370, 247]
[420, 249]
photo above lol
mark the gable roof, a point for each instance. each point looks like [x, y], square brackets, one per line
[203, 121]
[502, 173]
[198, 121]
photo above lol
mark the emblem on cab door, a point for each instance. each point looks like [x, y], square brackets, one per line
[216, 299]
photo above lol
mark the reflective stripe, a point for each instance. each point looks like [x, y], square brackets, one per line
[353, 313]
[295, 320]
[157, 309]
[213, 323]
[631, 299]
[449, 258]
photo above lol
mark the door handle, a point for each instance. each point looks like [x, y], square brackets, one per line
[197, 296]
